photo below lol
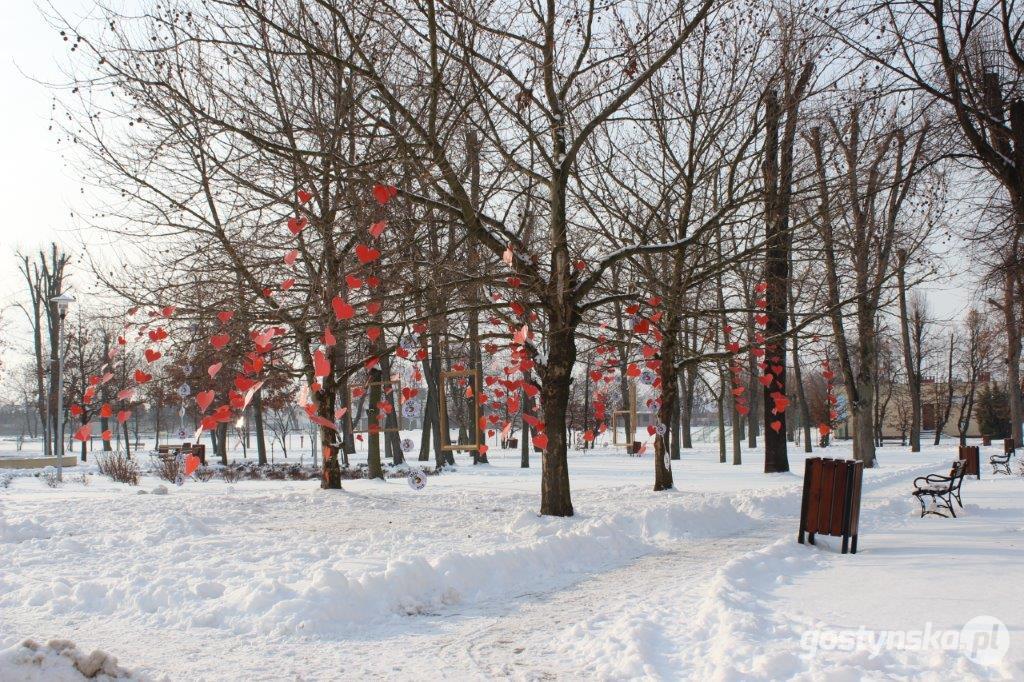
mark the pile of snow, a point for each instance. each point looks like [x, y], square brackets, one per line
[19, 531]
[59, 660]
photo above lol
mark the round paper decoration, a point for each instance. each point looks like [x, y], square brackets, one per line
[411, 409]
[417, 480]
[184, 390]
[648, 376]
[660, 429]
[407, 445]
[179, 480]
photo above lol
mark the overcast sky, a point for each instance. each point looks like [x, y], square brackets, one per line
[39, 192]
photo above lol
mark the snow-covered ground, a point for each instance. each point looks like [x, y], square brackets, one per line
[269, 580]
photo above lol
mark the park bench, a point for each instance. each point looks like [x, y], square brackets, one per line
[941, 489]
[168, 451]
[1001, 463]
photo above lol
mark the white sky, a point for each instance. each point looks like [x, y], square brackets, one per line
[39, 192]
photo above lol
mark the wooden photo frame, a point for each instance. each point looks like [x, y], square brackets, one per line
[396, 389]
[443, 412]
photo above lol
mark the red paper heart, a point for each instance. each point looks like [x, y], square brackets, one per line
[321, 367]
[214, 368]
[141, 377]
[204, 399]
[289, 258]
[296, 225]
[218, 341]
[342, 309]
[366, 254]
[384, 193]
[152, 355]
[83, 433]
[378, 227]
[304, 196]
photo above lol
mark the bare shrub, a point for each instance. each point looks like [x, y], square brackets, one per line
[5, 479]
[204, 473]
[119, 467]
[230, 474]
[49, 477]
[272, 473]
[168, 468]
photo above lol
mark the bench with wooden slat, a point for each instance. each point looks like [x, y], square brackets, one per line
[1001, 463]
[940, 490]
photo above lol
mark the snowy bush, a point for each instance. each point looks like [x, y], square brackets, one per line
[361, 470]
[168, 468]
[231, 474]
[204, 473]
[272, 472]
[5, 479]
[49, 476]
[119, 467]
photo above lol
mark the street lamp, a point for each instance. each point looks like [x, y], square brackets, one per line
[62, 301]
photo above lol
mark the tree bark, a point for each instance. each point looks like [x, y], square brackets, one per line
[261, 441]
[909, 363]
[555, 497]
[1013, 350]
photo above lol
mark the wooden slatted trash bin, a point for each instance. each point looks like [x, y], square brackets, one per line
[831, 500]
[1009, 447]
[972, 455]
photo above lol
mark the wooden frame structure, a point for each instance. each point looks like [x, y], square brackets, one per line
[443, 411]
[396, 385]
[630, 433]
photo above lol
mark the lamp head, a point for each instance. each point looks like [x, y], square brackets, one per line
[63, 301]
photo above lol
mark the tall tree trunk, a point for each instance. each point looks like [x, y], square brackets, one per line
[222, 443]
[777, 170]
[261, 440]
[555, 496]
[669, 404]
[1013, 349]
[940, 425]
[527, 408]
[676, 428]
[689, 378]
[909, 363]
